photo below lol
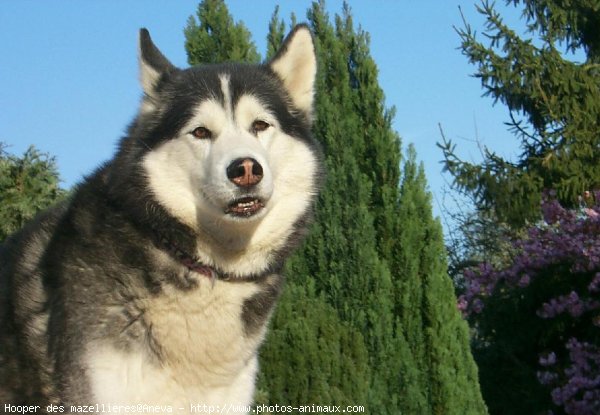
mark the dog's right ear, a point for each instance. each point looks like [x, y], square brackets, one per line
[153, 64]
[296, 66]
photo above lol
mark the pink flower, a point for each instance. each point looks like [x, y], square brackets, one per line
[524, 281]
[548, 360]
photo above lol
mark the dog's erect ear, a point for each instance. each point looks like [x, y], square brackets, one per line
[153, 64]
[296, 65]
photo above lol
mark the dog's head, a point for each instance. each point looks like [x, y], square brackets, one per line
[226, 149]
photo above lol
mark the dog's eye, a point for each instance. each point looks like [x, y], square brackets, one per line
[202, 133]
[260, 126]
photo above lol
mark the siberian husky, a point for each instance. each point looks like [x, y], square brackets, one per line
[154, 282]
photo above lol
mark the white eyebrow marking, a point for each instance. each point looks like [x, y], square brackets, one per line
[224, 78]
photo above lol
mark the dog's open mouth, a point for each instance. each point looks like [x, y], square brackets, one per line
[245, 207]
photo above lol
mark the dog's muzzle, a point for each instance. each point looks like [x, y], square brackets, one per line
[245, 173]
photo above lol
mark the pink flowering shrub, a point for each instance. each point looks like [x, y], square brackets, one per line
[553, 283]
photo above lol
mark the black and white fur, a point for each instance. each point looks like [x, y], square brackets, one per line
[154, 282]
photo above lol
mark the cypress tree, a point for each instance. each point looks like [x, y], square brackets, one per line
[437, 335]
[276, 33]
[358, 271]
[214, 37]
[350, 272]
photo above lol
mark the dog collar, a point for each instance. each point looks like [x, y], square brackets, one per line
[187, 260]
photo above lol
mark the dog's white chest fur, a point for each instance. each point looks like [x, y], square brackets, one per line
[205, 357]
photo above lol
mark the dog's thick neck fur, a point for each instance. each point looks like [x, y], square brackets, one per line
[189, 261]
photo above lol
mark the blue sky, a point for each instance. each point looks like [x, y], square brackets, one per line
[68, 73]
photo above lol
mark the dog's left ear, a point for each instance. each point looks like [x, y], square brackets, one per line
[296, 65]
[153, 64]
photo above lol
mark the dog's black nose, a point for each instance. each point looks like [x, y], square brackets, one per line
[245, 172]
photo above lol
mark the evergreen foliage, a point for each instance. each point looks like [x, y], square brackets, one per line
[216, 38]
[553, 102]
[425, 302]
[276, 34]
[311, 354]
[28, 184]
[368, 316]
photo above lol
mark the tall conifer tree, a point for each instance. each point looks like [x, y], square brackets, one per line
[276, 34]
[426, 304]
[368, 316]
[553, 102]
